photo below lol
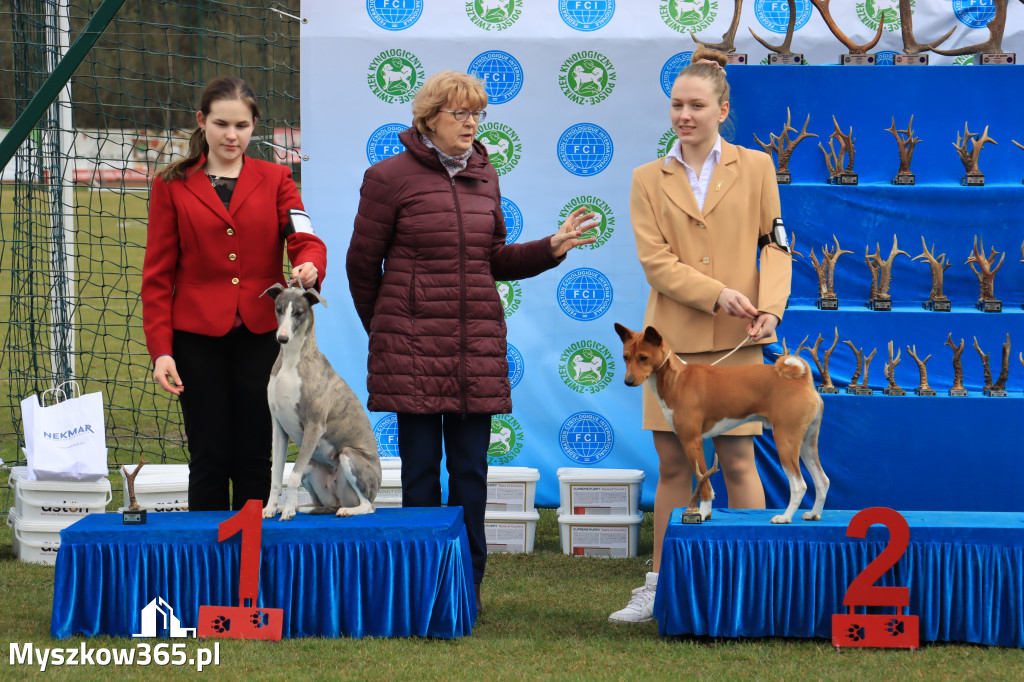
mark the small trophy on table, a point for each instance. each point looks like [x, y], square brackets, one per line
[837, 173]
[826, 380]
[826, 271]
[997, 389]
[913, 51]
[857, 53]
[783, 147]
[863, 363]
[987, 301]
[990, 51]
[890, 373]
[973, 177]
[133, 515]
[958, 390]
[906, 146]
[782, 54]
[728, 44]
[881, 275]
[937, 301]
[922, 387]
[692, 515]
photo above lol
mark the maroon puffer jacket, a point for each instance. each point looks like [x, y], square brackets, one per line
[435, 320]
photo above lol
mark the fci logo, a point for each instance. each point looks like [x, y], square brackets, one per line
[494, 15]
[587, 77]
[604, 219]
[688, 15]
[395, 75]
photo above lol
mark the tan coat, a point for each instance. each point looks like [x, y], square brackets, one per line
[689, 256]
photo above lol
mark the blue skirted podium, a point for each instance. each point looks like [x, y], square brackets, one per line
[396, 573]
[739, 575]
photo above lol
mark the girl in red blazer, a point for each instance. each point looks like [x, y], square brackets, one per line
[218, 221]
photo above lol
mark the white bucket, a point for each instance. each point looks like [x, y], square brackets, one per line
[390, 463]
[510, 532]
[599, 536]
[599, 492]
[36, 542]
[65, 501]
[511, 489]
[390, 493]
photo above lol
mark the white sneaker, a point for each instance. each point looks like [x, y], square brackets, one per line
[640, 608]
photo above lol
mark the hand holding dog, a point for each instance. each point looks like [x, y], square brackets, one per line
[762, 327]
[568, 236]
[306, 273]
[165, 373]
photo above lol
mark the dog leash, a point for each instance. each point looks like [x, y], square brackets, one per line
[742, 343]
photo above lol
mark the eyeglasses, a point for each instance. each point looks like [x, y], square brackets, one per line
[464, 114]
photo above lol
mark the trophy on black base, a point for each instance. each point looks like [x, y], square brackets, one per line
[890, 373]
[913, 50]
[990, 51]
[133, 515]
[922, 386]
[837, 173]
[863, 363]
[826, 380]
[881, 275]
[728, 44]
[906, 145]
[973, 177]
[690, 515]
[958, 390]
[783, 147]
[781, 54]
[1022, 180]
[857, 53]
[826, 270]
[997, 389]
[937, 301]
[987, 301]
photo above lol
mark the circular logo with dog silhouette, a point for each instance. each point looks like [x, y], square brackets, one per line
[386, 433]
[585, 294]
[586, 437]
[511, 295]
[506, 440]
[395, 75]
[586, 366]
[503, 146]
[516, 365]
[688, 15]
[872, 11]
[513, 220]
[604, 220]
[666, 141]
[587, 77]
[494, 15]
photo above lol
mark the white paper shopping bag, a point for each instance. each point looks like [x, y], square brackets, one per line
[66, 440]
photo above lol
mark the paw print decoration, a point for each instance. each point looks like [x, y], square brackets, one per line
[855, 632]
[221, 624]
[259, 619]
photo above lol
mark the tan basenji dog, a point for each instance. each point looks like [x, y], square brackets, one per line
[703, 401]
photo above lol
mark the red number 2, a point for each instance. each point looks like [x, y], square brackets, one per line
[862, 590]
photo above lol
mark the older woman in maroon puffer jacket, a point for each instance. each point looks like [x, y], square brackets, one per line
[428, 246]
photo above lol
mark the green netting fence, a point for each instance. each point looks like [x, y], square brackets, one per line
[73, 200]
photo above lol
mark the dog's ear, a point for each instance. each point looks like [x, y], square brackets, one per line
[652, 336]
[624, 332]
[273, 291]
[313, 296]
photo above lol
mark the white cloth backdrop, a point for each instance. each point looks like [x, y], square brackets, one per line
[578, 99]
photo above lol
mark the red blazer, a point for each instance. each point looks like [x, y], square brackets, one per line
[204, 262]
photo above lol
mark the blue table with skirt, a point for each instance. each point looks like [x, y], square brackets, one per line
[395, 573]
[739, 575]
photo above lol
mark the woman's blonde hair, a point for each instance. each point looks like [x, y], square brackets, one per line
[440, 89]
[714, 72]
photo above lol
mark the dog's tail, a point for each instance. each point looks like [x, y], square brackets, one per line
[792, 367]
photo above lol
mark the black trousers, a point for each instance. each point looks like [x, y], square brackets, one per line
[227, 417]
[466, 438]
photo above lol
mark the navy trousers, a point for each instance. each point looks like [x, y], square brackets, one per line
[227, 417]
[465, 438]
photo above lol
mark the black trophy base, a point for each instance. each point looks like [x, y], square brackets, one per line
[857, 59]
[843, 179]
[828, 304]
[783, 177]
[859, 390]
[904, 179]
[785, 59]
[893, 390]
[973, 180]
[989, 306]
[828, 390]
[692, 517]
[736, 58]
[880, 304]
[925, 391]
[910, 60]
[938, 306]
[987, 58]
[958, 393]
[133, 518]
[994, 392]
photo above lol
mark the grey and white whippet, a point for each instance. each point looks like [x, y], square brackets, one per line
[309, 403]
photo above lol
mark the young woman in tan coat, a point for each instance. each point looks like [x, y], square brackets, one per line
[698, 215]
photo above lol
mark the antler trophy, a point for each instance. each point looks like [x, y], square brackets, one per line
[906, 145]
[133, 515]
[881, 275]
[997, 389]
[990, 51]
[728, 44]
[783, 147]
[890, 373]
[1022, 147]
[958, 390]
[838, 175]
[826, 270]
[858, 53]
[863, 363]
[936, 300]
[922, 387]
[987, 301]
[973, 177]
[912, 50]
[826, 380]
[782, 54]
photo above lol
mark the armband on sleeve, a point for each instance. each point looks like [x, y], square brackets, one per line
[298, 221]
